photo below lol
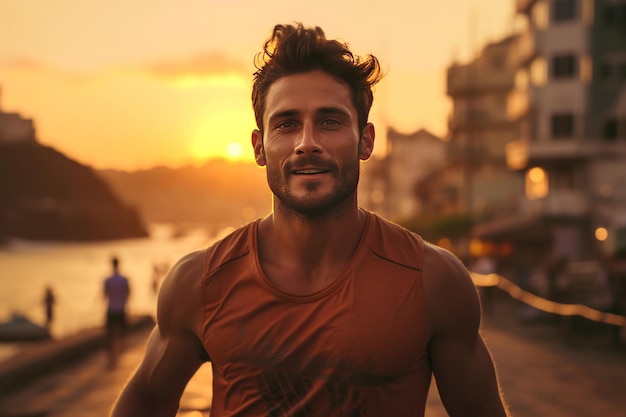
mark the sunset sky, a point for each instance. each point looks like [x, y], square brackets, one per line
[133, 84]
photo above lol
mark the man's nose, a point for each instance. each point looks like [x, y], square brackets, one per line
[308, 140]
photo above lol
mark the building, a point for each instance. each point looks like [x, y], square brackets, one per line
[570, 103]
[15, 129]
[476, 180]
[389, 185]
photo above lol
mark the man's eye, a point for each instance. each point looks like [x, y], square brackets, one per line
[286, 125]
[330, 122]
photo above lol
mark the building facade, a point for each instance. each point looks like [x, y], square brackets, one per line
[389, 185]
[479, 131]
[14, 128]
[569, 100]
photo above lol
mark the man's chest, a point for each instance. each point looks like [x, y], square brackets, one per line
[364, 333]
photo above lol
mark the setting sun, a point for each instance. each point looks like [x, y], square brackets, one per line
[234, 150]
[173, 86]
[221, 130]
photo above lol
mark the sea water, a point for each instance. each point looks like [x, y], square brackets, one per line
[76, 274]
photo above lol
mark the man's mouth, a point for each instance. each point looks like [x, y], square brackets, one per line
[310, 171]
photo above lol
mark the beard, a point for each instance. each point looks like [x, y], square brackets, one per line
[315, 203]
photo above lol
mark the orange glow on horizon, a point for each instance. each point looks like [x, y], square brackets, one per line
[173, 86]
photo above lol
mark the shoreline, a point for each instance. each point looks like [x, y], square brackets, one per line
[47, 356]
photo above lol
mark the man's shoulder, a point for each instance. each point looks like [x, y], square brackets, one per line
[203, 262]
[395, 243]
[231, 247]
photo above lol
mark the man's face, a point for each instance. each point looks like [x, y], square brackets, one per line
[311, 144]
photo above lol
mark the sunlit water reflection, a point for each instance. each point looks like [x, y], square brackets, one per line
[76, 272]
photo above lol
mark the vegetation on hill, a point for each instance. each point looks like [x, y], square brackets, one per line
[46, 196]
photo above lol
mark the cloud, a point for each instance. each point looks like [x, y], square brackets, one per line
[201, 65]
[37, 68]
[25, 64]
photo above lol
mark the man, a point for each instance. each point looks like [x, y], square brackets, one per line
[48, 301]
[116, 291]
[321, 308]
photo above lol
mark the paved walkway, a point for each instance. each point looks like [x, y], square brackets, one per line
[541, 375]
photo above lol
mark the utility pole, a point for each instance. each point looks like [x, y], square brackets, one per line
[471, 114]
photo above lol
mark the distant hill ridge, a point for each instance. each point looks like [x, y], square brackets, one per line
[45, 195]
[219, 193]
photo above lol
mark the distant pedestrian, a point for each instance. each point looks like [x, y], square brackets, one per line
[48, 302]
[116, 291]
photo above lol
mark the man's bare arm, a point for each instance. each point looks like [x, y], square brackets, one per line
[174, 351]
[463, 368]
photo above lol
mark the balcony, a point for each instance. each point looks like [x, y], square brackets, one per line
[521, 152]
[563, 149]
[476, 120]
[523, 6]
[561, 203]
[471, 79]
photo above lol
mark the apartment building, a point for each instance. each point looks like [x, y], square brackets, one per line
[476, 179]
[569, 102]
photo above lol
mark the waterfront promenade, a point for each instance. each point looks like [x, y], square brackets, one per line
[541, 372]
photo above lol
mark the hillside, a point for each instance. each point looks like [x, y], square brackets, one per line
[46, 196]
[219, 193]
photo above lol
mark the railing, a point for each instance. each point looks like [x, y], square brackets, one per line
[549, 306]
[558, 203]
[521, 152]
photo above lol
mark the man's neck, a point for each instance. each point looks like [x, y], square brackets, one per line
[301, 254]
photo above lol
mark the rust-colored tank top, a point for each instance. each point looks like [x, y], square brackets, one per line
[355, 348]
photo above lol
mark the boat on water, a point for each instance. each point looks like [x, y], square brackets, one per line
[20, 329]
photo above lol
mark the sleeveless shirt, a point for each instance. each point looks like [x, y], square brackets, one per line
[117, 290]
[355, 348]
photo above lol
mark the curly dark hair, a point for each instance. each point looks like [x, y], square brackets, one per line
[294, 49]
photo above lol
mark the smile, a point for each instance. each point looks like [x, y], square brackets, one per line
[309, 171]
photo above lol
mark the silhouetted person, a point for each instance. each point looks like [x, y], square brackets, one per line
[48, 302]
[321, 308]
[116, 291]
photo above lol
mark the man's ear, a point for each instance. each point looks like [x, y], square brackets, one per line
[366, 146]
[257, 145]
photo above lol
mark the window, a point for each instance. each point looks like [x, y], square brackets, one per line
[564, 178]
[610, 130]
[564, 10]
[538, 71]
[562, 125]
[613, 68]
[564, 66]
[615, 16]
[606, 71]
[537, 185]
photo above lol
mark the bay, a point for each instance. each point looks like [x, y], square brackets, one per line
[76, 273]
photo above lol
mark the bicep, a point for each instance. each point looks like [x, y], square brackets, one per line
[461, 363]
[169, 363]
[174, 351]
[158, 383]
[465, 376]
